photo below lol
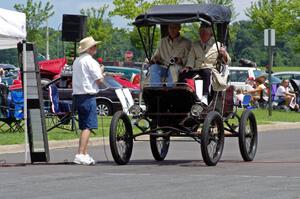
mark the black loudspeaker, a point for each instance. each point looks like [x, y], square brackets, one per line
[74, 27]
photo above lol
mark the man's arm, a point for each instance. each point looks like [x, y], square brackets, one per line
[225, 56]
[99, 81]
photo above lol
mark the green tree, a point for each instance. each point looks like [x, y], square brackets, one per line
[228, 3]
[36, 16]
[9, 56]
[248, 44]
[97, 26]
[130, 9]
[100, 28]
[281, 15]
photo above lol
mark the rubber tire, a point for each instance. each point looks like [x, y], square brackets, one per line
[108, 105]
[248, 154]
[211, 117]
[159, 154]
[124, 158]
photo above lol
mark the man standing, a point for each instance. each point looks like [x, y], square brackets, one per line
[87, 76]
[204, 55]
[173, 47]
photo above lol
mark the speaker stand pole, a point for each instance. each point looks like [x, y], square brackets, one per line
[74, 56]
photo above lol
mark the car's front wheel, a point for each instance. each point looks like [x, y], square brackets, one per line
[104, 108]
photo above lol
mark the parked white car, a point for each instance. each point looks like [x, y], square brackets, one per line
[239, 75]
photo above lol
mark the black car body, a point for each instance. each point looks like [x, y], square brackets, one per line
[107, 100]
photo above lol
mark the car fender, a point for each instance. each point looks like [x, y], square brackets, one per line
[107, 99]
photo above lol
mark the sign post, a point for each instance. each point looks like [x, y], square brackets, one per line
[269, 40]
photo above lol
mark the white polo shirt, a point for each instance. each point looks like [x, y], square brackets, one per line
[86, 71]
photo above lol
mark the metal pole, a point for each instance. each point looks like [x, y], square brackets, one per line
[47, 42]
[269, 71]
[58, 38]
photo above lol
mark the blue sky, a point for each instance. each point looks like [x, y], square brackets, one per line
[73, 7]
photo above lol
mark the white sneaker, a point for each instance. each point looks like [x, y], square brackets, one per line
[92, 161]
[83, 159]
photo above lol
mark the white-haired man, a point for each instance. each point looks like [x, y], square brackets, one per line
[203, 55]
[87, 76]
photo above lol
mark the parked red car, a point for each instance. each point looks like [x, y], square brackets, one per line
[125, 82]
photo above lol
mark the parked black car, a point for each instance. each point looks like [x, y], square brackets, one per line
[107, 101]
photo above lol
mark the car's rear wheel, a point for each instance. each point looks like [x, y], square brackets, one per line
[104, 108]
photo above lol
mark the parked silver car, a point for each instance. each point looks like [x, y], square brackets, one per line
[287, 75]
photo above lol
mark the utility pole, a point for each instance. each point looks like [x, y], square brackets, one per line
[58, 39]
[47, 41]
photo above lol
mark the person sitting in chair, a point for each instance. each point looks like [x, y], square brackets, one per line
[173, 47]
[204, 56]
[260, 92]
[285, 97]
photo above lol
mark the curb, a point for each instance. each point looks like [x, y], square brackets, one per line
[279, 126]
[19, 148]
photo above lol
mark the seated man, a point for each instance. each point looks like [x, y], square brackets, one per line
[204, 56]
[173, 46]
[284, 97]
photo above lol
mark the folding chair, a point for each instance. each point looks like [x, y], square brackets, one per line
[14, 110]
[125, 98]
[61, 114]
[246, 103]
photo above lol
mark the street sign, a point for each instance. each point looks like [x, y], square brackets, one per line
[269, 37]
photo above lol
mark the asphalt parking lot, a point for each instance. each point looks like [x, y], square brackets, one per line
[275, 173]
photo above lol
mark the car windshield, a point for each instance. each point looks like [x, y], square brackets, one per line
[123, 71]
[111, 83]
[238, 75]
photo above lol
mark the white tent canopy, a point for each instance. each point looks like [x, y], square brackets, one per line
[12, 28]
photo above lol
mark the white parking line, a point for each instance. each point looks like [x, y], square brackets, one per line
[235, 176]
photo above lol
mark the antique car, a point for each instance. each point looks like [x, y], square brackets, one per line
[176, 110]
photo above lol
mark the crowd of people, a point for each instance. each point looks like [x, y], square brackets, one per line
[282, 98]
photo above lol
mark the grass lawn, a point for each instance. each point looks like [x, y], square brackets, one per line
[262, 117]
[56, 134]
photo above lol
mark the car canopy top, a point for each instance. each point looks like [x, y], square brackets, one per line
[184, 13]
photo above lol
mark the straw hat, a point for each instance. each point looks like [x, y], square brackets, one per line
[87, 43]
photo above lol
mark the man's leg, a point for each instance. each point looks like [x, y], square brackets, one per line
[173, 74]
[156, 74]
[185, 75]
[206, 76]
[83, 141]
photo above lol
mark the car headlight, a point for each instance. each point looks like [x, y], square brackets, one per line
[135, 110]
[196, 110]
